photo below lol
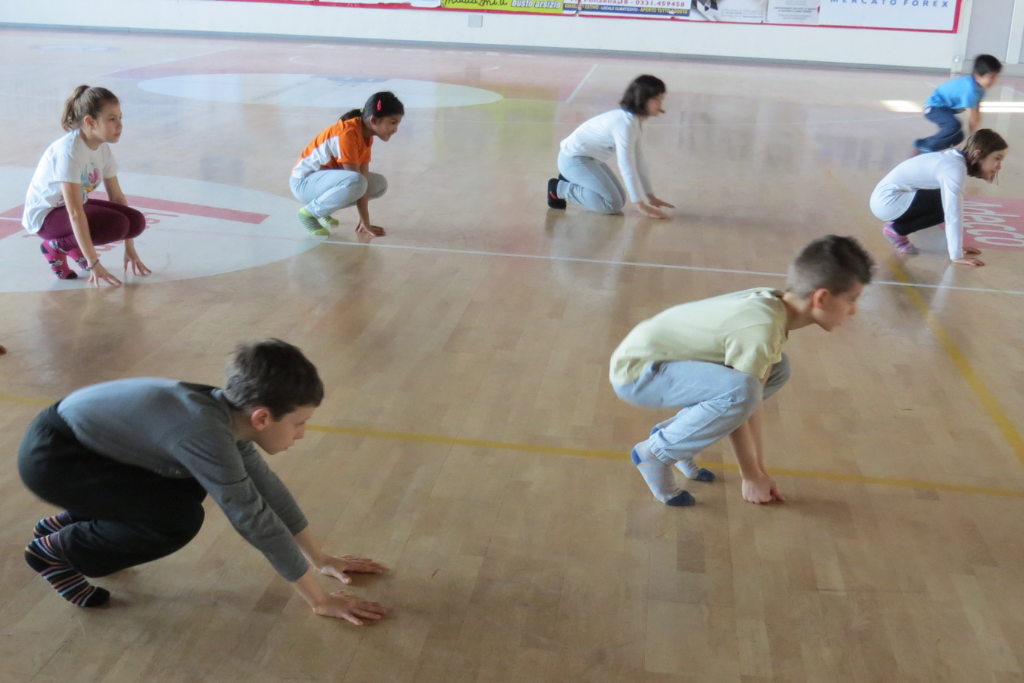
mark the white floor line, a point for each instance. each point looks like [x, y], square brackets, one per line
[169, 60]
[636, 264]
[585, 79]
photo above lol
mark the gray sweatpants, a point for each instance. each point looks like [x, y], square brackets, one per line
[328, 191]
[591, 184]
[714, 401]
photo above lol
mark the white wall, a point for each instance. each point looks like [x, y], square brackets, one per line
[810, 44]
[995, 27]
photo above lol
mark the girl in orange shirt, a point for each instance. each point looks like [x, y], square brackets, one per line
[333, 171]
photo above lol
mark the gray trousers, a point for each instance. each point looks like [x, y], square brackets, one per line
[328, 191]
[591, 184]
[714, 401]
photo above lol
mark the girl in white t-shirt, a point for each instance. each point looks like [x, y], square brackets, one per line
[929, 189]
[58, 208]
[584, 176]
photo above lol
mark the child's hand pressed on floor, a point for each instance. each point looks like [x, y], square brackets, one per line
[138, 267]
[658, 203]
[763, 489]
[650, 211]
[343, 606]
[337, 566]
[99, 273]
[372, 230]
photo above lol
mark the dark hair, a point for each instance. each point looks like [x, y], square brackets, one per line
[642, 89]
[987, 64]
[85, 101]
[380, 104]
[979, 145]
[832, 262]
[272, 374]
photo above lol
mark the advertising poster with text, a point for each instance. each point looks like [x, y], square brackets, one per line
[738, 11]
[792, 12]
[648, 9]
[525, 6]
[924, 15]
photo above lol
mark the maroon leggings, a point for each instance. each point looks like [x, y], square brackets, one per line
[108, 222]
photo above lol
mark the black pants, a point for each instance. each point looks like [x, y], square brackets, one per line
[129, 515]
[924, 212]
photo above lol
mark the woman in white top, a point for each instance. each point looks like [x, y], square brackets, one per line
[57, 206]
[585, 177]
[929, 189]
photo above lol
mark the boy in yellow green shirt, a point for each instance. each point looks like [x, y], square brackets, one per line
[718, 359]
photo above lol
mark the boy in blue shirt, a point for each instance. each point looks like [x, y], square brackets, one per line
[951, 98]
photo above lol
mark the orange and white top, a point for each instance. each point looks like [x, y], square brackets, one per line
[341, 143]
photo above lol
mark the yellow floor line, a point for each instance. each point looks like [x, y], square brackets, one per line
[966, 370]
[621, 455]
[616, 455]
[6, 398]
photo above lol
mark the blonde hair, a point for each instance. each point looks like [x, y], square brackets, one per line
[85, 101]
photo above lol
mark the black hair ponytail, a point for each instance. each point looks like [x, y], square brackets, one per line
[380, 105]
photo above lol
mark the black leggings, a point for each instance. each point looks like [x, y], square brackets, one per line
[924, 212]
[126, 515]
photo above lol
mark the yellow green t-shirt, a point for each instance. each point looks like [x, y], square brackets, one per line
[743, 330]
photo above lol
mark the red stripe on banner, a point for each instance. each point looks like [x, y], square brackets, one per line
[583, 13]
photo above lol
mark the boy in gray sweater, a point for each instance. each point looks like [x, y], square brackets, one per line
[131, 461]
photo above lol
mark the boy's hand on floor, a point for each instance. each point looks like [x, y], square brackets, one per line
[343, 606]
[761, 490]
[337, 566]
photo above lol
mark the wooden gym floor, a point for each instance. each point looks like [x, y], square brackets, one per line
[469, 437]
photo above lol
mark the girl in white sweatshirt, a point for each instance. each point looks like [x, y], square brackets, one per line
[929, 189]
[584, 176]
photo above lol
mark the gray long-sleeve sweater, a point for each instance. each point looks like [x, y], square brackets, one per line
[181, 430]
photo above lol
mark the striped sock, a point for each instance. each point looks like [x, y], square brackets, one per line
[52, 525]
[692, 470]
[689, 469]
[45, 556]
[901, 242]
[659, 477]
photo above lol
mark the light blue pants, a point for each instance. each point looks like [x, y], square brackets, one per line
[328, 191]
[591, 184]
[715, 400]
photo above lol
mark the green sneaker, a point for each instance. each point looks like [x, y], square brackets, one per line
[328, 222]
[311, 224]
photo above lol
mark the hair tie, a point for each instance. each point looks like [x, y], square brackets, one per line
[378, 105]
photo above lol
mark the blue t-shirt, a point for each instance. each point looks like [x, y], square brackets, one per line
[959, 94]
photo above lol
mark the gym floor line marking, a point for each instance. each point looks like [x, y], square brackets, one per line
[582, 83]
[967, 371]
[641, 264]
[620, 455]
[573, 259]
[963, 366]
